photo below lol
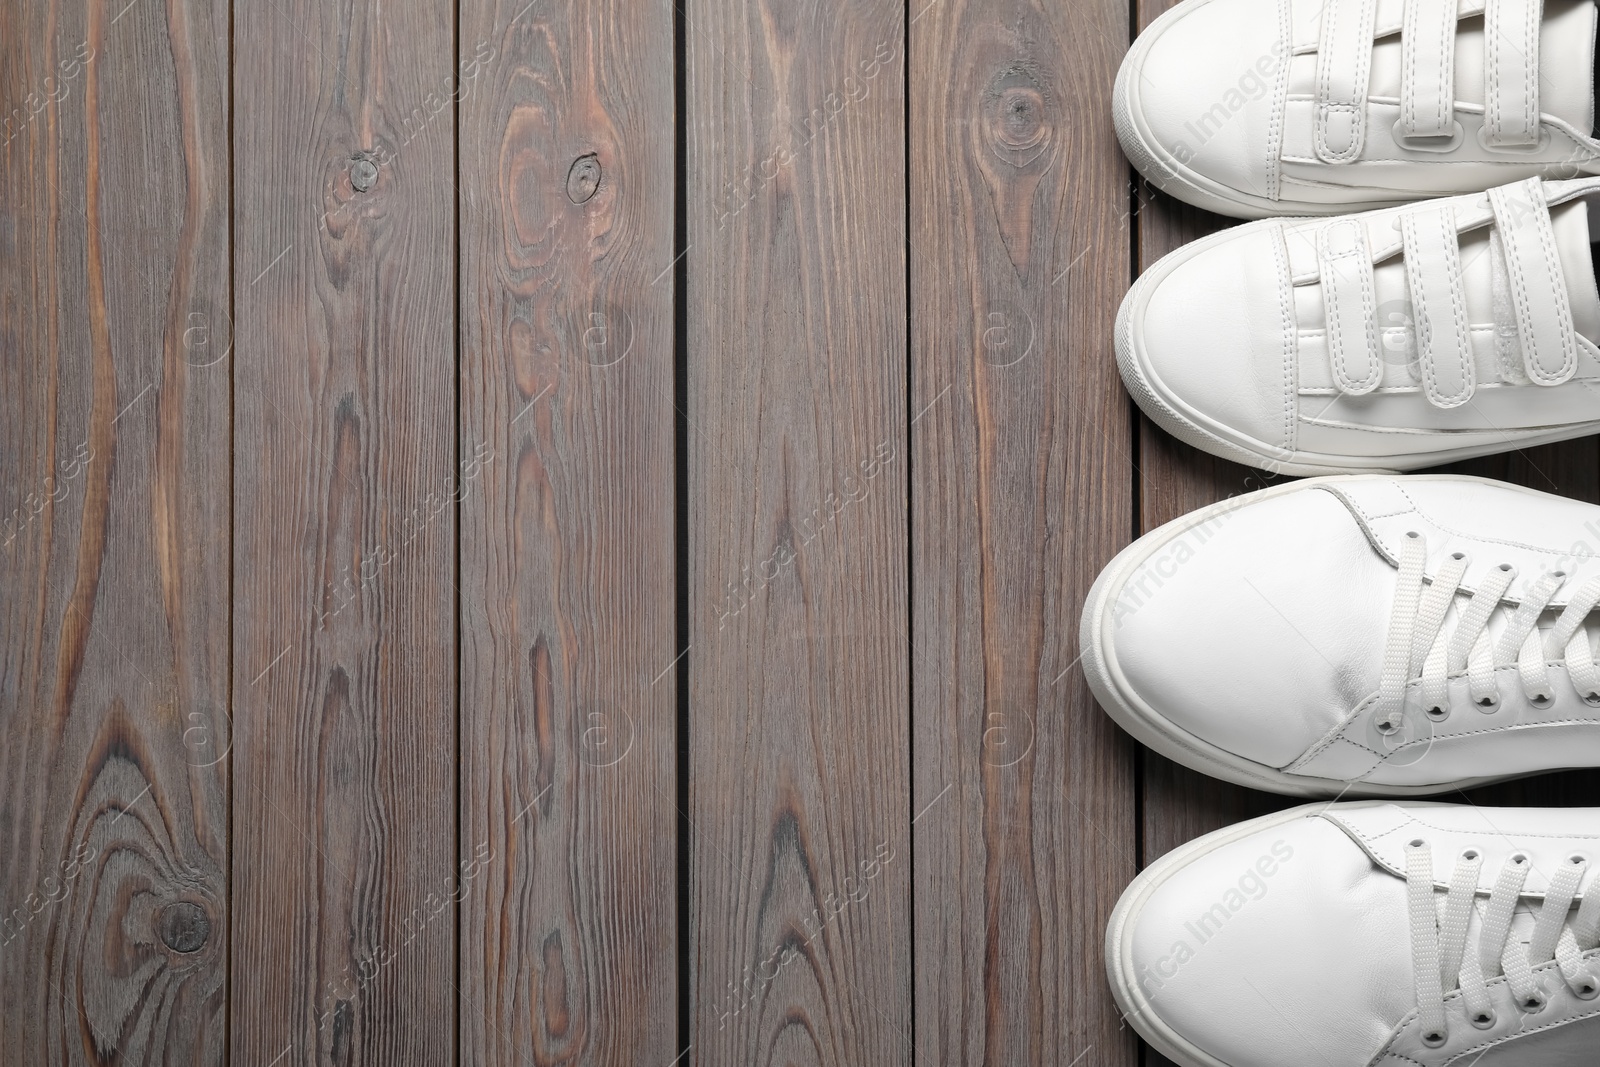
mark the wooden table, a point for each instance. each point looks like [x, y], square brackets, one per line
[553, 532]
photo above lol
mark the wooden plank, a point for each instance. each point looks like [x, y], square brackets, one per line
[346, 479]
[1020, 485]
[568, 572]
[796, 307]
[114, 427]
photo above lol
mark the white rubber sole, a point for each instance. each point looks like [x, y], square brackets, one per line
[1135, 1006]
[1172, 414]
[1097, 655]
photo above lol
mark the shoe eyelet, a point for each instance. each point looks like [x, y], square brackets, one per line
[1506, 567]
[1578, 859]
[1535, 1004]
[1488, 704]
[1435, 1039]
[1438, 713]
[1416, 842]
[1470, 854]
[1484, 1020]
[1515, 149]
[1518, 859]
[1386, 726]
[1430, 144]
[1592, 699]
[1588, 989]
[1458, 555]
[1541, 701]
[1413, 534]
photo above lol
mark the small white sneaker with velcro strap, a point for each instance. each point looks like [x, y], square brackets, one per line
[1369, 935]
[1358, 636]
[1382, 341]
[1299, 107]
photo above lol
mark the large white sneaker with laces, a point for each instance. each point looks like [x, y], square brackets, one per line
[1298, 107]
[1387, 340]
[1358, 636]
[1370, 935]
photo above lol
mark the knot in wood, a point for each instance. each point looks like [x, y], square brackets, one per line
[583, 178]
[363, 174]
[184, 926]
[1017, 117]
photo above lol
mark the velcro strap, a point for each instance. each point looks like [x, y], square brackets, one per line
[1511, 70]
[1438, 305]
[1428, 59]
[1534, 277]
[1345, 265]
[1344, 63]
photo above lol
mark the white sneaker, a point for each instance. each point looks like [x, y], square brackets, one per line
[1369, 935]
[1369, 102]
[1383, 341]
[1358, 636]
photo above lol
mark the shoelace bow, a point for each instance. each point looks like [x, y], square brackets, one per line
[1417, 646]
[1439, 944]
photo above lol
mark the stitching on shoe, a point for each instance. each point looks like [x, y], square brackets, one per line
[1291, 365]
[1480, 539]
[1280, 89]
[1414, 819]
[1453, 285]
[1340, 732]
[1389, 1052]
[1569, 355]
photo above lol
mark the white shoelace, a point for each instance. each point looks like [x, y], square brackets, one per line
[1439, 944]
[1418, 648]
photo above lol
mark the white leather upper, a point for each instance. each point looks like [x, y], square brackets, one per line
[1305, 960]
[1262, 630]
[1224, 631]
[1323, 104]
[1390, 339]
[1291, 943]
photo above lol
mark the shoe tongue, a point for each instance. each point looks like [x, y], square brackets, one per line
[1571, 224]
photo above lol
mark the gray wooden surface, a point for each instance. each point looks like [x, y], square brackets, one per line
[552, 533]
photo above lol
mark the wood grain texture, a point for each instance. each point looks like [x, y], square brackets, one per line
[114, 430]
[798, 733]
[346, 480]
[569, 941]
[1020, 485]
